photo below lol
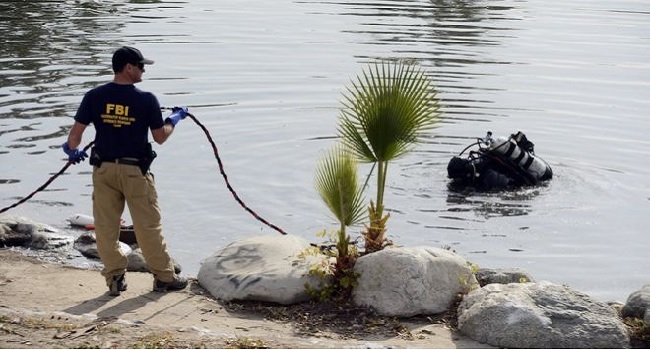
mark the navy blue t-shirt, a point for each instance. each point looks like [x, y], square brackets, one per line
[122, 116]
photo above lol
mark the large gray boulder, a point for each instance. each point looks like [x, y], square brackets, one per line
[267, 268]
[638, 304]
[539, 315]
[406, 282]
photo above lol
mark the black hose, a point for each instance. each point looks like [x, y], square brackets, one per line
[225, 177]
[47, 183]
[216, 154]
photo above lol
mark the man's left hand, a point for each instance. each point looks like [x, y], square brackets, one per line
[75, 156]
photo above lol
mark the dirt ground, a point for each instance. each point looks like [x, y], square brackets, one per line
[45, 305]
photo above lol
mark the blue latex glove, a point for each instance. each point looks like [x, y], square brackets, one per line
[75, 156]
[178, 114]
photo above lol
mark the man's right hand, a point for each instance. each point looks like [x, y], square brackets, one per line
[75, 156]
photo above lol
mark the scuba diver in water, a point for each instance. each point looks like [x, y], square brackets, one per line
[498, 164]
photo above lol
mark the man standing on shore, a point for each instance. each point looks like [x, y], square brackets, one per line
[122, 116]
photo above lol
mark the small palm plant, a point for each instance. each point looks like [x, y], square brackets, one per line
[337, 184]
[385, 113]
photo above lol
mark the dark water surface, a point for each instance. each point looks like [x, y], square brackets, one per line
[266, 77]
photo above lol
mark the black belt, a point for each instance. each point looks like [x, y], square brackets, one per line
[125, 161]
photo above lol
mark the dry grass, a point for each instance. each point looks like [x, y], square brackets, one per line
[246, 343]
[345, 320]
[639, 332]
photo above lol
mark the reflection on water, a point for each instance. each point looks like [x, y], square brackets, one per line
[491, 205]
[444, 23]
[53, 50]
[446, 36]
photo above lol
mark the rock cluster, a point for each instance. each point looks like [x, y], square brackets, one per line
[17, 231]
[22, 231]
[501, 308]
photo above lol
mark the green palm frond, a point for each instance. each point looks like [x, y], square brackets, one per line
[387, 110]
[337, 183]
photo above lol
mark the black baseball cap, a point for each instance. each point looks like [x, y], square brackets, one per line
[128, 54]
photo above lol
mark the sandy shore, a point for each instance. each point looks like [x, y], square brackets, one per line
[46, 305]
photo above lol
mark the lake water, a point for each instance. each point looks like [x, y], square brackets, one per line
[266, 78]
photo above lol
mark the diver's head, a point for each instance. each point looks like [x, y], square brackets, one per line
[459, 168]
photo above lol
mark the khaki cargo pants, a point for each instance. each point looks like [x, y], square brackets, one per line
[113, 185]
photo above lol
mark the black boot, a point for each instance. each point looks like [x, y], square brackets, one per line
[178, 283]
[118, 285]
